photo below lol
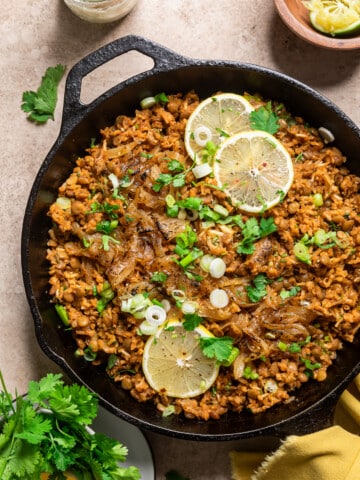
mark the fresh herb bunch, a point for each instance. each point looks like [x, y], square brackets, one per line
[47, 432]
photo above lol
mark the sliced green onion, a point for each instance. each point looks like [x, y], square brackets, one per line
[321, 237]
[231, 358]
[217, 268]
[326, 135]
[166, 304]
[147, 102]
[202, 135]
[155, 315]
[205, 262]
[219, 298]
[170, 200]
[189, 307]
[302, 253]
[168, 411]
[318, 200]
[202, 170]
[182, 214]
[63, 202]
[89, 354]
[192, 215]
[221, 210]
[61, 311]
[136, 305]
[270, 386]
[147, 328]
[190, 257]
[178, 295]
[191, 203]
[114, 180]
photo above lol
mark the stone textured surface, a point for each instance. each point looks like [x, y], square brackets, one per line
[35, 35]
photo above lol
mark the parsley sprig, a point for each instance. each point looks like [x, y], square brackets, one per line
[176, 177]
[253, 230]
[220, 348]
[45, 432]
[40, 105]
[264, 119]
[257, 290]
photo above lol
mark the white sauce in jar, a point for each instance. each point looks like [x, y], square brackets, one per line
[100, 11]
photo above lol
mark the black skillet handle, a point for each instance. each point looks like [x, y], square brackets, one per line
[163, 58]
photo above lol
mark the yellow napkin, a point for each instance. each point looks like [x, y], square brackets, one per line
[330, 454]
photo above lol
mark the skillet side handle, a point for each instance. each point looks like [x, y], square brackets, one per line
[162, 57]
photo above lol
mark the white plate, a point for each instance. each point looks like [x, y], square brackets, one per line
[139, 454]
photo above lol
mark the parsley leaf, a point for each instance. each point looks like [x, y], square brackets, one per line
[264, 119]
[177, 178]
[191, 321]
[250, 374]
[252, 230]
[160, 277]
[40, 105]
[258, 290]
[217, 347]
[292, 292]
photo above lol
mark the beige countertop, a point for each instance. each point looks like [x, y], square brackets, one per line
[35, 35]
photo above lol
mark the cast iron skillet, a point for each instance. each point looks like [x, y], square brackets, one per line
[314, 404]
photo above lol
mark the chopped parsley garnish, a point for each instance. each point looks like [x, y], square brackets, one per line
[309, 365]
[191, 321]
[292, 292]
[175, 166]
[258, 289]
[250, 374]
[159, 277]
[163, 179]
[40, 105]
[264, 119]
[106, 226]
[253, 230]
[105, 207]
[294, 347]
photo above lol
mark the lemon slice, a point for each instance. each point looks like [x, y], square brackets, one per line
[335, 17]
[254, 169]
[174, 364]
[214, 119]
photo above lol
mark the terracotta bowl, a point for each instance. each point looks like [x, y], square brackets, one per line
[296, 16]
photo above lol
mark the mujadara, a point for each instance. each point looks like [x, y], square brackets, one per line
[293, 296]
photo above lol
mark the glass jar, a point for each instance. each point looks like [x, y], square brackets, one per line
[100, 11]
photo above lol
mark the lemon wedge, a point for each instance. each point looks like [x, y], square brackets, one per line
[335, 17]
[254, 169]
[215, 119]
[174, 364]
